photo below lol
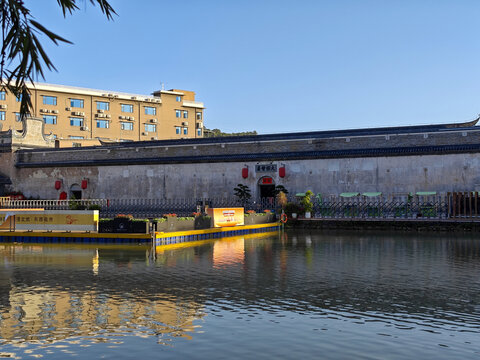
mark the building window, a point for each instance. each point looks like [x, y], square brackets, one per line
[179, 98]
[50, 119]
[77, 137]
[126, 125]
[49, 100]
[103, 124]
[185, 114]
[18, 117]
[185, 131]
[2, 115]
[178, 130]
[74, 121]
[178, 113]
[103, 105]
[199, 132]
[150, 128]
[77, 103]
[2, 95]
[127, 108]
[199, 116]
[150, 110]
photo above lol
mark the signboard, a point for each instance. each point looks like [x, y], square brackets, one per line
[266, 168]
[223, 217]
[267, 180]
[49, 220]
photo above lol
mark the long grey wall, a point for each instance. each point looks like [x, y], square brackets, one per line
[390, 175]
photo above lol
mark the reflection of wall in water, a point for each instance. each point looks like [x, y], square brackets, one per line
[29, 309]
[66, 314]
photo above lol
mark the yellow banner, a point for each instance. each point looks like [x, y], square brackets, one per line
[50, 220]
[223, 217]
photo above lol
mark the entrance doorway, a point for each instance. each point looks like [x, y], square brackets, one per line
[75, 192]
[266, 188]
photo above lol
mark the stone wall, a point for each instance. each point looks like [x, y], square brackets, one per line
[390, 175]
[439, 160]
[158, 153]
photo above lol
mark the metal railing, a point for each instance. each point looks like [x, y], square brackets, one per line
[451, 205]
[382, 210]
[139, 208]
[6, 203]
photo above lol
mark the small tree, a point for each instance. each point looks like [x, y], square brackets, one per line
[282, 199]
[242, 192]
[307, 201]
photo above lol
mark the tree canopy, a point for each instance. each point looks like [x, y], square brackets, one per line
[220, 133]
[23, 57]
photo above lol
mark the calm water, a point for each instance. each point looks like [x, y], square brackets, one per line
[299, 295]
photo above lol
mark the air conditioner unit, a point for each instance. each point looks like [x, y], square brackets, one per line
[43, 110]
[154, 138]
[48, 111]
[68, 109]
[3, 106]
[84, 128]
[55, 111]
[116, 96]
[144, 133]
[131, 118]
[76, 113]
[121, 117]
[185, 123]
[134, 98]
[110, 95]
[82, 114]
[100, 115]
[199, 125]
[100, 111]
[147, 100]
[108, 116]
[158, 101]
[153, 120]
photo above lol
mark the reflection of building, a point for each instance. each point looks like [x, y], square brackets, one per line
[81, 116]
[228, 252]
[83, 310]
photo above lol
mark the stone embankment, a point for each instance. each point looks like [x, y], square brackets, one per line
[456, 225]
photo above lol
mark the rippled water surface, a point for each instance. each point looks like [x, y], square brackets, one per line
[294, 295]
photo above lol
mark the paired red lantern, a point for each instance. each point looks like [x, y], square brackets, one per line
[63, 196]
[281, 171]
[84, 184]
[58, 184]
[245, 172]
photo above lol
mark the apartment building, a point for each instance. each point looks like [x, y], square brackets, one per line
[80, 117]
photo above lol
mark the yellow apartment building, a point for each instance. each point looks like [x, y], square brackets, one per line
[80, 116]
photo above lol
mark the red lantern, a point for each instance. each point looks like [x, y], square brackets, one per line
[84, 184]
[58, 184]
[245, 172]
[63, 196]
[281, 171]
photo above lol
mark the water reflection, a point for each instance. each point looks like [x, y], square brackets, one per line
[381, 283]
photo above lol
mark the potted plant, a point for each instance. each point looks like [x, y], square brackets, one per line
[292, 210]
[242, 192]
[308, 204]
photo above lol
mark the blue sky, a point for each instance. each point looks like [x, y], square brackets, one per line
[279, 66]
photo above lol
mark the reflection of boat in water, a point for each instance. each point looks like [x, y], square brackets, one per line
[227, 223]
